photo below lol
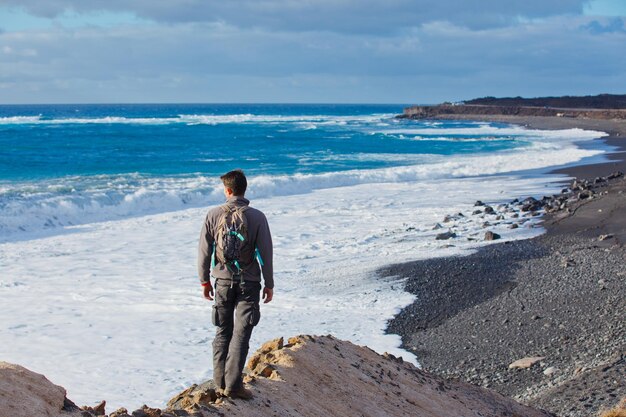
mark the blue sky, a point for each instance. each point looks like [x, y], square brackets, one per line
[397, 51]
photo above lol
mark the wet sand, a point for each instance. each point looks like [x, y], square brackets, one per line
[561, 296]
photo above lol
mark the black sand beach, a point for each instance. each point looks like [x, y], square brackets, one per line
[560, 296]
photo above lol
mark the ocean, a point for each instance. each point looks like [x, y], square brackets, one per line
[101, 207]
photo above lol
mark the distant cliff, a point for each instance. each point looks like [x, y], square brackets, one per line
[603, 106]
[601, 101]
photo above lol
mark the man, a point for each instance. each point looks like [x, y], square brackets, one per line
[237, 281]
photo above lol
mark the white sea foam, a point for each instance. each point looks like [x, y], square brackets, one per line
[324, 157]
[15, 120]
[455, 139]
[487, 131]
[199, 119]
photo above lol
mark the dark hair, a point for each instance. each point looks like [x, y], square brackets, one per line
[236, 181]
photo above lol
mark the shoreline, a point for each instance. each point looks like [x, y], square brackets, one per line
[558, 296]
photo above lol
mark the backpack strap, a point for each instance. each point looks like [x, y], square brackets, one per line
[258, 256]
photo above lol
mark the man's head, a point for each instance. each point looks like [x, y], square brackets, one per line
[235, 183]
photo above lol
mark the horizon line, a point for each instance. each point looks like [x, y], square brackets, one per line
[211, 103]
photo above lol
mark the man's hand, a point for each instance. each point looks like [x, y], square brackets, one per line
[268, 294]
[208, 291]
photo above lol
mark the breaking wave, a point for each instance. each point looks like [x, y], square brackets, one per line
[199, 119]
[32, 207]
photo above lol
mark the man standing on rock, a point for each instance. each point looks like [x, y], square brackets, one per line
[235, 246]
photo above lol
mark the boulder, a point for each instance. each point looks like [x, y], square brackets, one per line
[445, 236]
[489, 235]
[195, 395]
[550, 371]
[146, 411]
[531, 204]
[98, 410]
[181, 400]
[525, 363]
[204, 397]
[120, 412]
[24, 393]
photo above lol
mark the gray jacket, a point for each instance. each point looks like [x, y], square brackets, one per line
[258, 234]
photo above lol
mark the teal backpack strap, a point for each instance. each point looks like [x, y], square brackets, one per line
[213, 256]
[237, 234]
[258, 255]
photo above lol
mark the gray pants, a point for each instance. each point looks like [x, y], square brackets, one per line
[235, 313]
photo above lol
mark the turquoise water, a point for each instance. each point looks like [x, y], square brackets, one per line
[45, 142]
[64, 165]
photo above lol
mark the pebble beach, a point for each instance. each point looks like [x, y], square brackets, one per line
[557, 300]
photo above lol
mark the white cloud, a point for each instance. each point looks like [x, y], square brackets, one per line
[220, 61]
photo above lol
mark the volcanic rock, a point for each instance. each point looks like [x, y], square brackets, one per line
[445, 236]
[489, 235]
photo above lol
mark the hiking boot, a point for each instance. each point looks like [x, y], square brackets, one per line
[242, 393]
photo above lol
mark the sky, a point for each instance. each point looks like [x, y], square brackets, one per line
[308, 51]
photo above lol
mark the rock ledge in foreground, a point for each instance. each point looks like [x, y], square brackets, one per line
[24, 393]
[314, 376]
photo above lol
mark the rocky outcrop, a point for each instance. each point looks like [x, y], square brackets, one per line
[443, 110]
[307, 376]
[516, 213]
[321, 376]
[24, 393]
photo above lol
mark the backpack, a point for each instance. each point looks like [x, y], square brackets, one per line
[231, 246]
